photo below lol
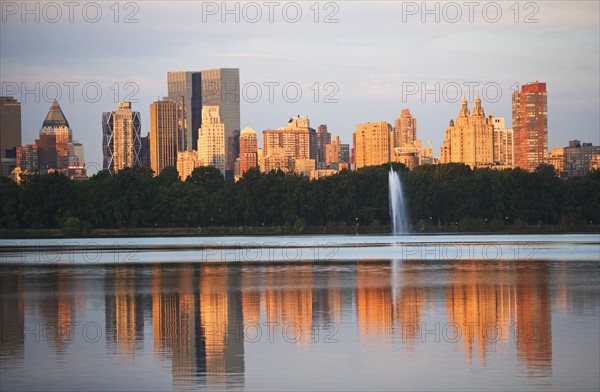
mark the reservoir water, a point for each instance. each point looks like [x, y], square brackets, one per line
[416, 312]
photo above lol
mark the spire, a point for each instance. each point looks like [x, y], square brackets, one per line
[55, 116]
[464, 110]
[477, 110]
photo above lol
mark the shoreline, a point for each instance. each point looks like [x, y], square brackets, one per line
[215, 231]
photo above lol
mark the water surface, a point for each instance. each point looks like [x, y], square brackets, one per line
[173, 320]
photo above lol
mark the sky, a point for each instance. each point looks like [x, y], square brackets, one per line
[340, 63]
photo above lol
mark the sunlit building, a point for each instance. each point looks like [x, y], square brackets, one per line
[187, 161]
[121, 138]
[211, 139]
[408, 156]
[530, 125]
[556, 158]
[470, 138]
[405, 129]
[165, 128]
[336, 152]
[295, 140]
[248, 150]
[504, 145]
[372, 144]
[323, 139]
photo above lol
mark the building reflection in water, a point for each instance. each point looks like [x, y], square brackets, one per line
[534, 319]
[197, 313]
[123, 310]
[492, 304]
[289, 300]
[12, 316]
[389, 300]
[57, 308]
[196, 323]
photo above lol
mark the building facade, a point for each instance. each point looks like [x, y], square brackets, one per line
[186, 87]
[578, 157]
[504, 144]
[165, 128]
[221, 88]
[530, 125]
[187, 161]
[469, 139]
[211, 139]
[556, 158]
[10, 133]
[293, 141]
[372, 144]
[248, 150]
[406, 129]
[323, 139]
[121, 141]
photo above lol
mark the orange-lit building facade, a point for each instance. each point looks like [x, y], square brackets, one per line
[469, 138]
[530, 125]
[372, 144]
[248, 150]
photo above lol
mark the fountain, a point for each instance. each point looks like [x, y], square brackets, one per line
[398, 213]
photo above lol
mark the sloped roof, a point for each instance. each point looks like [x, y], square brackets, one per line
[55, 116]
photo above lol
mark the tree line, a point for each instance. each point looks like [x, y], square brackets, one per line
[437, 196]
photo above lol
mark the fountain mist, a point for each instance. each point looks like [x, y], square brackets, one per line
[398, 213]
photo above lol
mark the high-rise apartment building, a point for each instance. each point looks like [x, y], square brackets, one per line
[406, 129]
[294, 140]
[186, 87]
[165, 127]
[221, 88]
[504, 145]
[10, 133]
[27, 159]
[323, 139]
[336, 152]
[211, 139]
[372, 144]
[577, 158]
[556, 158]
[530, 125]
[121, 138]
[187, 161]
[470, 138]
[248, 150]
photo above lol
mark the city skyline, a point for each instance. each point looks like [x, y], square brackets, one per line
[435, 55]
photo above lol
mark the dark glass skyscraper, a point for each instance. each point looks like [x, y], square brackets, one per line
[186, 87]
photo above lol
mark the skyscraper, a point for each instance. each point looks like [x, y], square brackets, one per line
[248, 150]
[469, 139]
[166, 122]
[56, 124]
[372, 144]
[121, 141]
[406, 129]
[504, 144]
[10, 133]
[221, 88]
[530, 125]
[211, 139]
[186, 87]
[323, 139]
